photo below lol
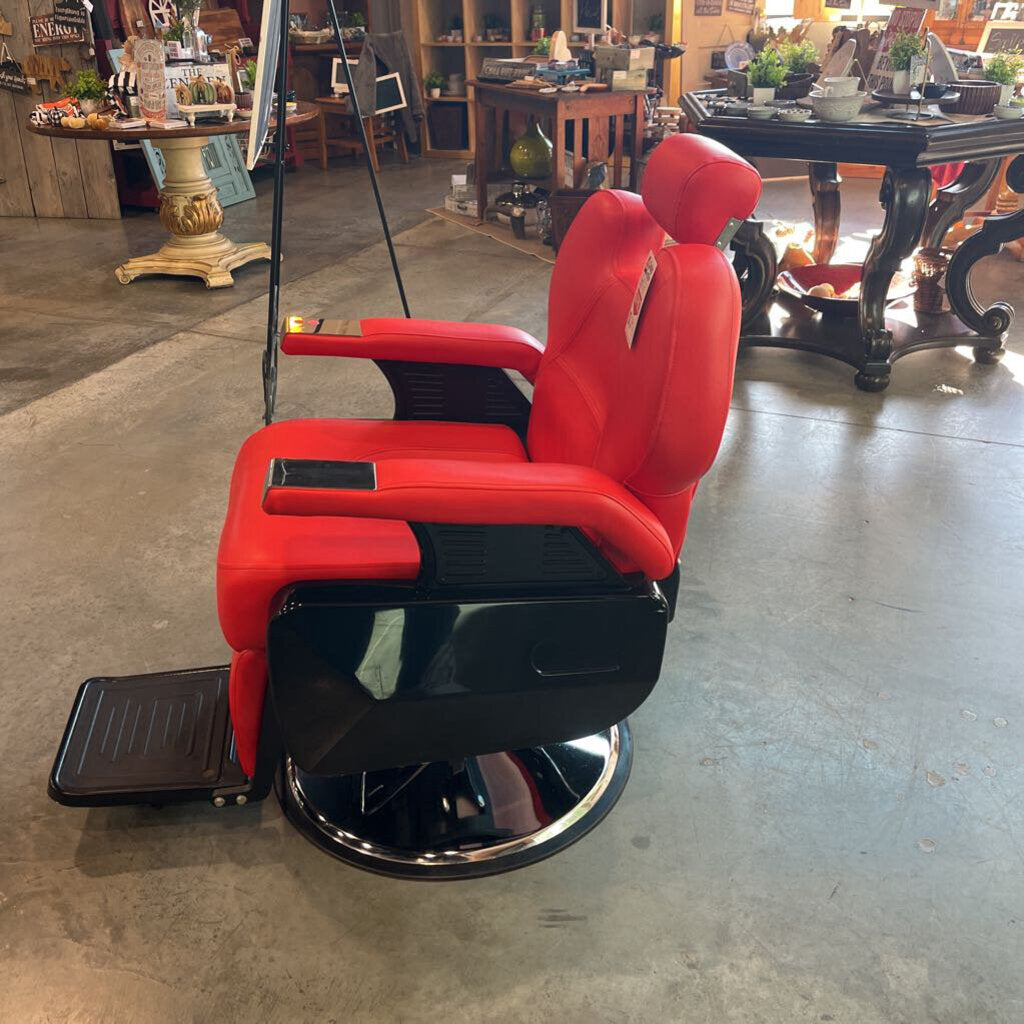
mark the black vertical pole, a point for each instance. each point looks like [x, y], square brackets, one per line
[356, 113]
[274, 299]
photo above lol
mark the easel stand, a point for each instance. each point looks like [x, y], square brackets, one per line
[274, 298]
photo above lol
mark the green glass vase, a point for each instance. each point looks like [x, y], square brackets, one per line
[530, 155]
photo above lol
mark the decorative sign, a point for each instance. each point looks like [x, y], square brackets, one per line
[47, 32]
[841, 5]
[70, 15]
[12, 78]
[47, 69]
[1007, 37]
[918, 69]
[740, 6]
[149, 64]
[6, 28]
[903, 19]
[707, 8]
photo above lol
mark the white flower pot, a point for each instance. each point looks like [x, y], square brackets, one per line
[89, 107]
[1005, 94]
[762, 95]
[901, 82]
[434, 93]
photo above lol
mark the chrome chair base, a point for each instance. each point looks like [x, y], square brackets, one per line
[481, 816]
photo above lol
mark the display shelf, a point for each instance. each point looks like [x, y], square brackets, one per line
[434, 18]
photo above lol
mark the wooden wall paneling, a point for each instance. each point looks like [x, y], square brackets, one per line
[37, 149]
[15, 194]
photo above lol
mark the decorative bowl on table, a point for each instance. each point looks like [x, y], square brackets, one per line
[931, 95]
[837, 108]
[794, 115]
[834, 288]
[976, 97]
[760, 113]
[1006, 112]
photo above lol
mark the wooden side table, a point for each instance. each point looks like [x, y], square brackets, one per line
[596, 110]
[381, 130]
[189, 208]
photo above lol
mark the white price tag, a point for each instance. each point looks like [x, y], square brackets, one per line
[636, 307]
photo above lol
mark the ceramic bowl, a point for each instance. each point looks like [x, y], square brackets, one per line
[796, 115]
[838, 108]
[760, 113]
[1007, 113]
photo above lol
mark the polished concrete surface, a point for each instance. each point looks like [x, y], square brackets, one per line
[825, 819]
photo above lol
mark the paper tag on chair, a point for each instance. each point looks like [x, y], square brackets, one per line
[640, 296]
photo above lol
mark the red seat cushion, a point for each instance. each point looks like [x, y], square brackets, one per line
[260, 554]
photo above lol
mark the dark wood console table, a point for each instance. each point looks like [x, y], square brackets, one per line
[882, 332]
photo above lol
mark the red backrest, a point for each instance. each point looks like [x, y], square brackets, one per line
[650, 416]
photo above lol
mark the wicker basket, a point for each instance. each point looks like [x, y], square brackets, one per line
[975, 97]
[564, 204]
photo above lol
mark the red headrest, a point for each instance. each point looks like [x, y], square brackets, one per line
[693, 185]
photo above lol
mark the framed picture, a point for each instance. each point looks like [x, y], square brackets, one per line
[173, 49]
[390, 94]
[589, 15]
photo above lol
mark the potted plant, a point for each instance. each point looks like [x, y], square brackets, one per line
[1005, 68]
[903, 49]
[542, 48]
[494, 28]
[246, 84]
[89, 89]
[765, 73]
[432, 83]
[800, 58]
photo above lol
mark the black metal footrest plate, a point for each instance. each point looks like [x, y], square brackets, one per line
[153, 739]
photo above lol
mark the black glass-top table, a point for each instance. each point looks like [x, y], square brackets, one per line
[872, 341]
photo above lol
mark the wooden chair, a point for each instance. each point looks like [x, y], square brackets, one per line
[381, 129]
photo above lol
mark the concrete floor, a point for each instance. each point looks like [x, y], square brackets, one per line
[825, 819]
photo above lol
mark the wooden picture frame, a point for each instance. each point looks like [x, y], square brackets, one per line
[589, 16]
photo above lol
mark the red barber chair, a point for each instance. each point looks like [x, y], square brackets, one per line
[441, 621]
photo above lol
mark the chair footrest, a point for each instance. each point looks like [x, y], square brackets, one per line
[151, 739]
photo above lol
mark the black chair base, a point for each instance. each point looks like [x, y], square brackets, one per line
[481, 816]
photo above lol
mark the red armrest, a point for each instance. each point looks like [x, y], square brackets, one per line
[416, 341]
[449, 491]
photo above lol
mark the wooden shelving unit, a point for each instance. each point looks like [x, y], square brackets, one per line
[433, 18]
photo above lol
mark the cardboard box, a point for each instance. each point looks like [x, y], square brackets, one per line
[622, 58]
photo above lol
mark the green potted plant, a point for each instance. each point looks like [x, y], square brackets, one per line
[432, 82]
[800, 58]
[765, 73]
[542, 48]
[1005, 68]
[903, 49]
[89, 89]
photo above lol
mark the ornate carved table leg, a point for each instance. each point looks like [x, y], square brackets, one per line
[904, 196]
[192, 215]
[824, 181]
[952, 202]
[992, 323]
[755, 265]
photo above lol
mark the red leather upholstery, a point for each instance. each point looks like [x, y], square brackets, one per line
[427, 341]
[544, 494]
[618, 437]
[692, 191]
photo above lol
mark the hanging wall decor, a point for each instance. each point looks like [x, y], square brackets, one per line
[740, 6]
[12, 77]
[70, 16]
[6, 28]
[47, 32]
[47, 69]
[707, 8]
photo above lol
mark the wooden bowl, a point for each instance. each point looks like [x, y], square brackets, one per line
[975, 98]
